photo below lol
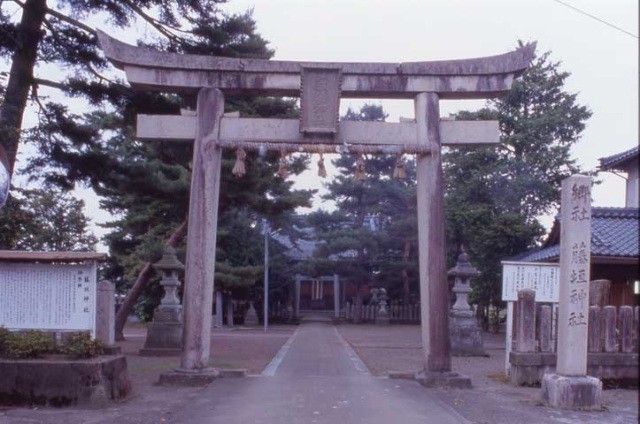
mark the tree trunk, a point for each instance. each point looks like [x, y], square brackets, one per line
[20, 78]
[229, 310]
[143, 278]
[405, 273]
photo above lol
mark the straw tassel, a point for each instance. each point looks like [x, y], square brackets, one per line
[360, 174]
[399, 171]
[283, 170]
[239, 168]
[322, 171]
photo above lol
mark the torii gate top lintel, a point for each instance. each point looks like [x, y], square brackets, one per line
[452, 79]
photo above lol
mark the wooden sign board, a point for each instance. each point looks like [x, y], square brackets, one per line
[544, 278]
[47, 297]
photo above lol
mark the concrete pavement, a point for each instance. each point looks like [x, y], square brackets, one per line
[317, 381]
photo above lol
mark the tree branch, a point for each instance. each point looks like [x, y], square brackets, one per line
[71, 21]
[49, 83]
[154, 23]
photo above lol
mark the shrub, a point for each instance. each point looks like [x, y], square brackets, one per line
[29, 344]
[81, 345]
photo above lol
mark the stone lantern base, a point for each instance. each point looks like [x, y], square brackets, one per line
[164, 334]
[465, 335]
[251, 317]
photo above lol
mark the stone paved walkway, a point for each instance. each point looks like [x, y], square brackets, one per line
[320, 380]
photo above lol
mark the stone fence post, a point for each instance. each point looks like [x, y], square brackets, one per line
[526, 321]
[106, 316]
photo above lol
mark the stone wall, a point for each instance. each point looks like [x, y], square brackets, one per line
[612, 344]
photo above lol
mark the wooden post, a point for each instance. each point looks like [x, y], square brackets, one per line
[508, 336]
[201, 237]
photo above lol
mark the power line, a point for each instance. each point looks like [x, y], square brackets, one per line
[596, 18]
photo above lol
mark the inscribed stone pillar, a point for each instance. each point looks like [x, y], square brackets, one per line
[434, 288]
[575, 259]
[105, 313]
[570, 387]
[201, 237]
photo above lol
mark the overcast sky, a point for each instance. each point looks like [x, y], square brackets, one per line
[603, 61]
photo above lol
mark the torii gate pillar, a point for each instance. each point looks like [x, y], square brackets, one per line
[434, 293]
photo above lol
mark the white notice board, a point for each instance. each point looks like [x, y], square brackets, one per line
[47, 297]
[544, 278]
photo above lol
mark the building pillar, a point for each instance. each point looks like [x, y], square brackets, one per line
[297, 299]
[336, 296]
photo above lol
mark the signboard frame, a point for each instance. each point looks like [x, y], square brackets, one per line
[84, 289]
[510, 294]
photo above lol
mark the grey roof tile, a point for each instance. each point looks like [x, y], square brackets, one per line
[613, 161]
[614, 233]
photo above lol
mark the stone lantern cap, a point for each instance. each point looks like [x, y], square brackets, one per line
[463, 267]
[169, 261]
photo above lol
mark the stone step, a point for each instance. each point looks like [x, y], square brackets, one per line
[313, 315]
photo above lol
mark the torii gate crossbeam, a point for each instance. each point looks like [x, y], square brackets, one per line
[320, 87]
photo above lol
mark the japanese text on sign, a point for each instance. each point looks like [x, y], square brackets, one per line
[47, 297]
[544, 278]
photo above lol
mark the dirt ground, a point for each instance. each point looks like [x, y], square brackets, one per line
[382, 348]
[493, 397]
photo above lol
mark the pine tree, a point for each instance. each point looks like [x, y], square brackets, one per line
[369, 239]
[144, 185]
[495, 195]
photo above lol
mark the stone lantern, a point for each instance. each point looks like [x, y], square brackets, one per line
[466, 335]
[164, 333]
[382, 317]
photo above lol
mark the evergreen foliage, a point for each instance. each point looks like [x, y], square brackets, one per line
[45, 220]
[145, 186]
[495, 196]
[368, 239]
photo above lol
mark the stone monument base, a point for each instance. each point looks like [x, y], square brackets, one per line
[443, 379]
[111, 350]
[383, 320]
[466, 336]
[58, 381]
[251, 317]
[181, 377]
[163, 339]
[568, 392]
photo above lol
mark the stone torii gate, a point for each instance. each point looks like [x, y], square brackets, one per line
[320, 86]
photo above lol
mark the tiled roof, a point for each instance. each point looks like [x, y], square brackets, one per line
[614, 233]
[612, 162]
